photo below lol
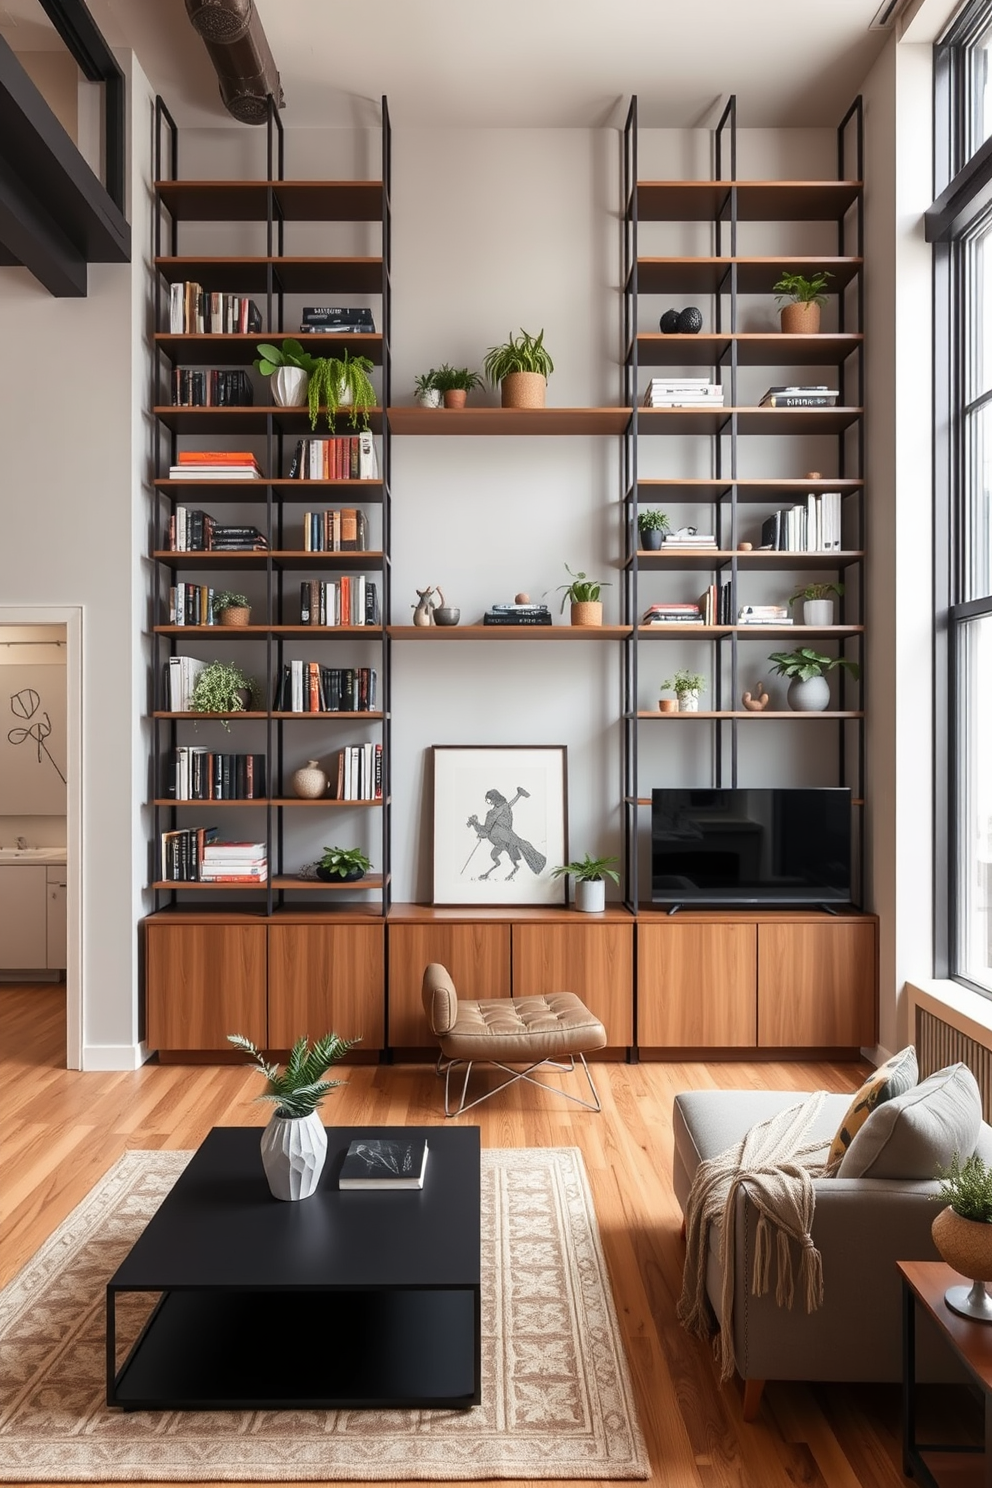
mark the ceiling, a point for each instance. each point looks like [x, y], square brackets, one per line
[529, 63]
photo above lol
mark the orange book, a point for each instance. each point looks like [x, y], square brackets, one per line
[314, 687]
[345, 600]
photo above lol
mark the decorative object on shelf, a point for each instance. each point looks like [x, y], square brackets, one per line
[455, 384]
[757, 701]
[502, 857]
[445, 614]
[590, 876]
[963, 1233]
[744, 547]
[652, 526]
[812, 475]
[521, 366]
[690, 321]
[583, 594]
[668, 705]
[686, 686]
[341, 382]
[801, 316]
[809, 690]
[669, 322]
[521, 598]
[423, 610]
[309, 782]
[231, 608]
[818, 607]
[294, 1144]
[222, 688]
[343, 865]
[288, 369]
[427, 392]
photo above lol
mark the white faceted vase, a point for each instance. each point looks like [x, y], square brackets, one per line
[812, 696]
[289, 387]
[293, 1152]
[590, 895]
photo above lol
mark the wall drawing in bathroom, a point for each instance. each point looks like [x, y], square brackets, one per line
[33, 741]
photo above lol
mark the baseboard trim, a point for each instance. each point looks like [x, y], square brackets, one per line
[111, 1057]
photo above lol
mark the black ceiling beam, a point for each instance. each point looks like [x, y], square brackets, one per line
[86, 42]
[31, 237]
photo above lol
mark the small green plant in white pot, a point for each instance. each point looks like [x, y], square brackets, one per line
[686, 686]
[652, 526]
[590, 875]
[809, 690]
[818, 607]
[294, 1144]
[426, 390]
[288, 369]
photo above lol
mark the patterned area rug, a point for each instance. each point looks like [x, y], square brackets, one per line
[557, 1398]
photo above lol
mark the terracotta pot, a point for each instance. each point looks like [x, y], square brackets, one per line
[588, 613]
[964, 1244]
[237, 616]
[455, 398]
[310, 782]
[523, 390]
[668, 705]
[800, 319]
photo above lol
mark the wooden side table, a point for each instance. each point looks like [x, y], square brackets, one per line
[937, 1464]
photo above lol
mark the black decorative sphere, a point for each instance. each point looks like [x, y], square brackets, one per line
[690, 322]
[669, 322]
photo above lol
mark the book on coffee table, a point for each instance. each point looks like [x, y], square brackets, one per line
[374, 1164]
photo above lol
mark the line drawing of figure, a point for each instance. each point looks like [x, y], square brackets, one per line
[497, 829]
[25, 704]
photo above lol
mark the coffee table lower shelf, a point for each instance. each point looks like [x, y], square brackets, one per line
[309, 1350]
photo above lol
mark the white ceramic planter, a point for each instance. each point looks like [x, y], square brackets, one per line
[430, 398]
[809, 697]
[289, 387]
[818, 612]
[688, 702]
[293, 1152]
[590, 895]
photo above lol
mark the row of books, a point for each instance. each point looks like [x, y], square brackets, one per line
[338, 530]
[191, 604]
[337, 320]
[197, 855]
[311, 687]
[203, 387]
[193, 311]
[340, 457]
[194, 531]
[215, 465]
[812, 527]
[715, 608]
[517, 614]
[683, 392]
[198, 774]
[350, 600]
[800, 395]
[359, 773]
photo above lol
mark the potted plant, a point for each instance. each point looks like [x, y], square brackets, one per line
[341, 382]
[801, 316]
[652, 526]
[521, 366]
[342, 865]
[686, 686]
[818, 607]
[294, 1144]
[222, 688]
[427, 392]
[455, 384]
[583, 594]
[590, 875]
[809, 690]
[231, 608]
[962, 1232]
[288, 369]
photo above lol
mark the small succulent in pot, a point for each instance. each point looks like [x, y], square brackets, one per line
[343, 865]
[231, 608]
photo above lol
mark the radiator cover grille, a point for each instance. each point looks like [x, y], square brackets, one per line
[939, 1044]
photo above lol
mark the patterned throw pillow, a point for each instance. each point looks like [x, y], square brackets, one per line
[896, 1075]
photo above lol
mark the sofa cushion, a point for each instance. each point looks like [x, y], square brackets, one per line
[896, 1075]
[916, 1134]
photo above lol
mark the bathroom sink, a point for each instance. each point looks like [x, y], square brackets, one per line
[32, 854]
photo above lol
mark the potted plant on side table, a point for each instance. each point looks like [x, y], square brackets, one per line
[962, 1232]
[583, 595]
[590, 875]
[801, 316]
[520, 366]
[809, 690]
[294, 1144]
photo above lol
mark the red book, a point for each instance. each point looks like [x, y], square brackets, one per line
[314, 694]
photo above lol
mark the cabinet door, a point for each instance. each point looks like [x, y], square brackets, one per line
[696, 985]
[202, 983]
[816, 985]
[596, 962]
[23, 913]
[477, 956]
[326, 978]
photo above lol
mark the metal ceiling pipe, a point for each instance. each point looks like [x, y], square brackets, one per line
[239, 50]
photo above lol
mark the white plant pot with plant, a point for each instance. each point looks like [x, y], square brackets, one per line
[686, 686]
[294, 1144]
[520, 366]
[288, 370]
[582, 594]
[818, 607]
[809, 690]
[590, 875]
[426, 390]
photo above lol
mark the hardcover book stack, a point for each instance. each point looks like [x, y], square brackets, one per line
[688, 537]
[683, 392]
[341, 457]
[814, 527]
[234, 862]
[359, 773]
[195, 531]
[800, 395]
[672, 614]
[764, 615]
[310, 687]
[181, 674]
[517, 614]
[193, 312]
[198, 774]
[223, 465]
[350, 600]
[200, 387]
[341, 530]
[337, 320]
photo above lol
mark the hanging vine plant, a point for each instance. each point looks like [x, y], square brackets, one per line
[341, 382]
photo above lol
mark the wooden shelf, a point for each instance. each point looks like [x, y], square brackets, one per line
[247, 716]
[233, 801]
[754, 275]
[507, 421]
[295, 201]
[292, 275]
[308, 885]
[284, 559]
[284, 491]
[209, 888]
[254, 420]
[235, 349]
[743, 714]
[508, 632]
[749, 420]
[757, 201]
[756, 492]
[322, 802]
[751, 632]
[254, 632]
[754, 349]
[442, 914]
[701, 560]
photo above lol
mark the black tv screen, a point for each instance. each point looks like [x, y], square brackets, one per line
[751, 846]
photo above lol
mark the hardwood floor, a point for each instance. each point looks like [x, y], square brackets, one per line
[62, 1130]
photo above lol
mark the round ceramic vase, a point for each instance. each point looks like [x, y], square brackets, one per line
[447, 615]
[293, 1152]
[289, 387]
[966, 1244]
[455, 397]
[309, 782]
[809, 697]
[590, 895]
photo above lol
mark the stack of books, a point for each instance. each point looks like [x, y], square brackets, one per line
[233, 539]
[814, 527]
[343, 530]
[311, 687]
[800, 395]
[764, 615]
[672, 614]
[683, 392]
[194, 312]
[215, 465]
[714, 604]
[343, 457]
[359, 773]
[181, 676]
[182, 853]
[198, 774]
[350, 600]
[337, 320]
[687, 537]
[517, 614]
[201, 387]
[234, 862]
[195, 531]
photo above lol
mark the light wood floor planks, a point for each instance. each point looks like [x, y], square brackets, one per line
[62, 1130]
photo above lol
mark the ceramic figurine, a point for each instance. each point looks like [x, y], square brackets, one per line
[669, 322]
[756, 704]
[690, 321]
[423, 610]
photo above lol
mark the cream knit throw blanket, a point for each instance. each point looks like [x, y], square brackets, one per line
[778, 1163]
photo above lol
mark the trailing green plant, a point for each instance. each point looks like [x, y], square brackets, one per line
[298, 1089]
[291, 354]
[581, 590]
[588, 870]
[653, 520]
[219, 689]
[806, 663]
[227, 599]
[817, 591]
[967, 1187]
[330, 377]
[523, 353]
[683, 682]
[447, 378]
[343, 861]
[805, 291]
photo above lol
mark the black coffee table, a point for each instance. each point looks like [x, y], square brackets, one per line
[341, 1300]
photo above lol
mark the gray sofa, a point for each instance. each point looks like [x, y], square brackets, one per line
[862, 1226]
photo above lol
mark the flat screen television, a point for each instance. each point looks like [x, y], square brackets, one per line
[747, 846]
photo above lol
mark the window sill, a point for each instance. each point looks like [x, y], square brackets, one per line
[969, 1012]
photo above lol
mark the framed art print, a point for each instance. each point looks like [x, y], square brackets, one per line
[500, 814]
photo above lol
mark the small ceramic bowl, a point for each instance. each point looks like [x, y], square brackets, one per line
[447, 615]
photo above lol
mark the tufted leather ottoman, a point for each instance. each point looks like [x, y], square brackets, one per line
[555, 1029]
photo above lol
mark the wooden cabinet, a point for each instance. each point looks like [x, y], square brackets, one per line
[325, 976]
[477, 955]
[595, 961]
[816, 985]
[23, 910]
[697, 985]
[203, 982]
